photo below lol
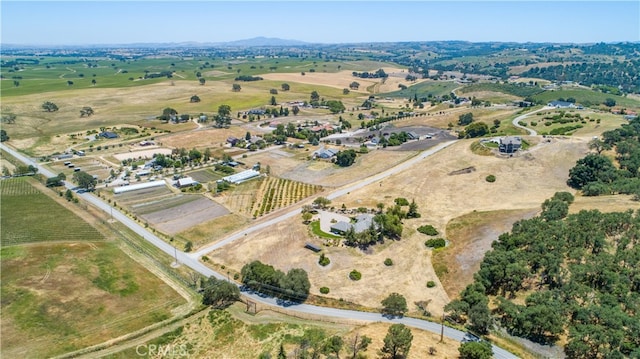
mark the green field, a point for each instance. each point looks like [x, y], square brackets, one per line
[58, 271]
[424, 89]
[586, 97]
[27, 215]
[62, 297]
[53, 73]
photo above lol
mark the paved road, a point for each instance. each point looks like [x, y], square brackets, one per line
[191, 260]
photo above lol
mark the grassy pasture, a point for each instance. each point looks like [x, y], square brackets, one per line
[423, 89]
[217, 335]
[49, 291]
[52, 73]
[60, 272]
[23, 206]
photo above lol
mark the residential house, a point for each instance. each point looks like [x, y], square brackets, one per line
[325, 153]
[363, 222]
[510, 144]
[232, 141]
[109, 134]
[561, 104]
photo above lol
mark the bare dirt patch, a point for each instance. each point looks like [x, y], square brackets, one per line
[470, 237]
[142, 154]
[203, 138]
[179, 218]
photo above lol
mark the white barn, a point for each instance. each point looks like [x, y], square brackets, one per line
[241, 176]
[138, 186]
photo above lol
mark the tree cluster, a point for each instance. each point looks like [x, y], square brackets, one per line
[346, 158]
[379, 74]
[596, 174]
[84, 180]
[577, 276]
[248, 78]
[293, 286]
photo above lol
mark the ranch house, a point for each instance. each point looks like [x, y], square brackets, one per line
[510, 144]
[362, 223]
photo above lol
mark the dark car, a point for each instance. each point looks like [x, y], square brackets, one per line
[470, 338]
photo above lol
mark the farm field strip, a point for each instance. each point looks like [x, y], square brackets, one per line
[23, 205]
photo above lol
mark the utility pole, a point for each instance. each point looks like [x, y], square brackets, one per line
[175, 253]
[442, 329]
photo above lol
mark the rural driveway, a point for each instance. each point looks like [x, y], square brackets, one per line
[192, 260]
[516, 121]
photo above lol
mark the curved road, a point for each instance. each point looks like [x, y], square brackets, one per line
[516, 120]
[191, 260]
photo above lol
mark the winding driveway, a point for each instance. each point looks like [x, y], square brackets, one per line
[516, 121]
[192, 259]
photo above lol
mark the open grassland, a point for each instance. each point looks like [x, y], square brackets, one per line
[217, 334]
[51, 74]
[27, 215]
[583, 123]
[424, 89]
[213, 230]
[62, 297]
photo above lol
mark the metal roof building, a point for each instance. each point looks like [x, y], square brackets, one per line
[241, 176]
[138, 186]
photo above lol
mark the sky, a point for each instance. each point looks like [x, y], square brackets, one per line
[125, 22]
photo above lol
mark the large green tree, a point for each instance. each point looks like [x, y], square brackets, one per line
[84, 180]
[397, 342]
[475, 350]
[394, 305]
[49, 106]
[219, 293]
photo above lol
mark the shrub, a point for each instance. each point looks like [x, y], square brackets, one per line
[435, 243]
[324, 260]
[388, 262]
[431, 284]
[355, 275]
[428, 230]
[324, 290]
[490, 178]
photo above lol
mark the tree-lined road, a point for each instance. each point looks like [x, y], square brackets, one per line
[192, 260]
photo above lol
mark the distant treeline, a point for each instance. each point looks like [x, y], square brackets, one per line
[371, 75]
[248, 78]
[623, 75]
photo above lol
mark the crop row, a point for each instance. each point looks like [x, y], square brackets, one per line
[17, 187]
[275, 193]
[34, 217]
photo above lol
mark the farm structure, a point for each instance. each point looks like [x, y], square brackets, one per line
[510, 144]
[185, 182]
[241, 176]
[138, 186]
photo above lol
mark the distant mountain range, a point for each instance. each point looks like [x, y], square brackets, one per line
[253, 42]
